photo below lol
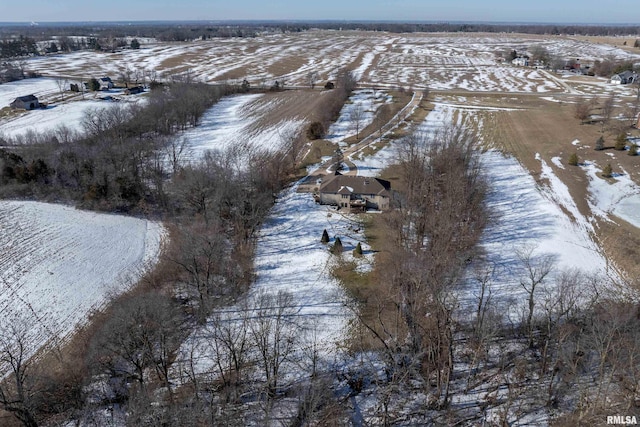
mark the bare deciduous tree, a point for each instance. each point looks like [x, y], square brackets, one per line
[535, 271]
[273, 336]
[18, 389]
[356, 116]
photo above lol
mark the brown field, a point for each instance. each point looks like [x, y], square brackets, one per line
[548, 129]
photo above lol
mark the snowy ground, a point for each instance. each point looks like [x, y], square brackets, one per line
[51, 119]
[437, 61]
[231, 123]
[43, 88]
[59, 264]
[290, 258]
[68, 114]
[360, 109]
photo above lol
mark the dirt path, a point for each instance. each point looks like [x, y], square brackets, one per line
[309, 183]
[402, 115]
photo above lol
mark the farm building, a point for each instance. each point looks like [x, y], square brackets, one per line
[623, 78]
[28, 102]
[358, 193]
[134, 90]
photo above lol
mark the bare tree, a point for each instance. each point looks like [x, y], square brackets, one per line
[205, 264]
[62, 84]
[312, 77]
[273, 335]
[177, 151]
[607, 110]
[230, 344]
[535, 271]
[18, 390]
[125, 75]
[356, 116]
[140, 333]
[582, 110]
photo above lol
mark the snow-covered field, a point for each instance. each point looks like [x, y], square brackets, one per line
[437, 61]
[59, 264]
[43, 88]
[51, 119]
[233, 123]
[68, 114]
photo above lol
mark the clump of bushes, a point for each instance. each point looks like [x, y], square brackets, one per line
[315, 131]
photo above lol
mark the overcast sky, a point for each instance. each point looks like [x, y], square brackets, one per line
[556, 11]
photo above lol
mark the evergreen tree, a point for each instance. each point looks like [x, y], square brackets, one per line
[573, 159]
[336, 249]
[325, 237]
[599, 144]
[621, 142]
[357, 252]
[135, 44]
[633, 150]
[337, 159]
[607, 171]
[94, 85]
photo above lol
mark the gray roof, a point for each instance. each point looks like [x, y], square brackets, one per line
[625, 75]
[345, 184]
[26, 98]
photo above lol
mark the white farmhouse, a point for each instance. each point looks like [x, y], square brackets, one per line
[521, 61]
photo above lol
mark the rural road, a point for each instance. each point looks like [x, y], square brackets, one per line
[310, 181]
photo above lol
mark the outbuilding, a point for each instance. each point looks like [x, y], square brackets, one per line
[28, 102]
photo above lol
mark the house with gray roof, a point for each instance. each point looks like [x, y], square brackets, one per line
[356, 193]
[623, 78]
[28, 102]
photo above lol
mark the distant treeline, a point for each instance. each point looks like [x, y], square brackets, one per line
[183, 31]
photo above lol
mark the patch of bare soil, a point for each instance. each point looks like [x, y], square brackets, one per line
[287, 105]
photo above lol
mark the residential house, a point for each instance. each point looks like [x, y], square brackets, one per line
[623, 78]
[522, 61]
[357, 193]
[28, 102]
[105, 83]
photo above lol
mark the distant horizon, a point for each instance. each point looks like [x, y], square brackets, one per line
[586, 12]
[311, 21]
